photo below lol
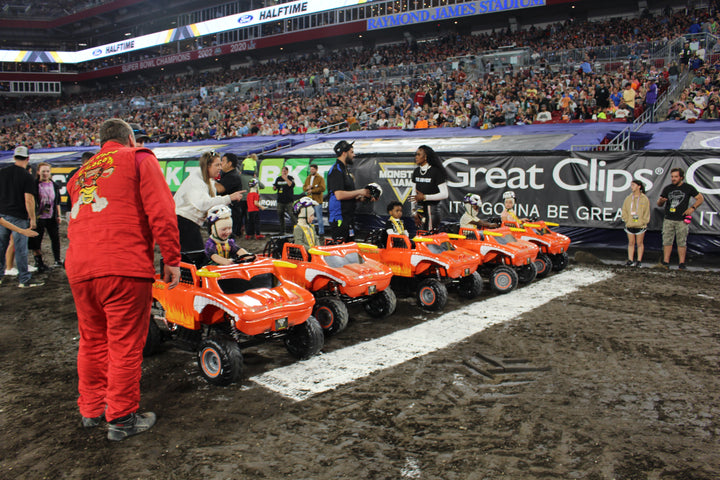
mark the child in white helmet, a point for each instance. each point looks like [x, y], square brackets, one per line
[220, 248]
[470, 219]
[508, 214]
[304, 231]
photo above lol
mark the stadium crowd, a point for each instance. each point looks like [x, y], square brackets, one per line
[322, 92]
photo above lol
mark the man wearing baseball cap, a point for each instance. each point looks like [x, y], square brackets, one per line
[343, 194]
[17, 206]
[141, 136]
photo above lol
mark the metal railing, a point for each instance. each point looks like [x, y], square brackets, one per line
[623, 140]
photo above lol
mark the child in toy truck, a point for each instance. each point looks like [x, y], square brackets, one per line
[220, 249]
[470, 218]
[304, 231]
[394, 224]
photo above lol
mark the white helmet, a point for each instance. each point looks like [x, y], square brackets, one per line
[471, 200]
[218, 214]
[510, 195]
[303, 206]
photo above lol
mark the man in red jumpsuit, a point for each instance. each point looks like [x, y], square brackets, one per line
[121, 207]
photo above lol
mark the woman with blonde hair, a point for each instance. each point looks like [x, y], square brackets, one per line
[636, 215]
[195, 197]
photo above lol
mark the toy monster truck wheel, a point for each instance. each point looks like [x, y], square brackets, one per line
[431, 294]
[560, 261]
[381, 304]
[245, 258]
[220, 360]
[470, 286]
[332, 314]
[527, 273]
[503, 279]
[305, 340]
[154, 339]
[543, 264]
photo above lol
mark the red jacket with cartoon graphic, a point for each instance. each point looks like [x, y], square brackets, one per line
[121, 207]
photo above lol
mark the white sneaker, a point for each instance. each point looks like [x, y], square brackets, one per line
[32, 269]
[12, 271]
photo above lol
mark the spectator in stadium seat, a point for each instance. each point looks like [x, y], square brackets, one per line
[622, 111]
[628, 97]
[543, 115]
[711, 112]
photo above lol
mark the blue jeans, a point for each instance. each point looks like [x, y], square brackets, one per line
[21, 247]
[319, 219]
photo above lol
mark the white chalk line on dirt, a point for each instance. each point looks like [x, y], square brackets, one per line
[302, 380]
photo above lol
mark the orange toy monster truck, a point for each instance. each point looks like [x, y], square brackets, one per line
[218, 310]
[502, 256]
[425, 266]
[337, 275]
[553, 246]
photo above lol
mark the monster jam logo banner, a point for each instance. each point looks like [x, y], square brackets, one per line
[573, 190]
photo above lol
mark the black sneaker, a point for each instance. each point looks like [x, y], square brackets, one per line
[638, 264]
[121, 428]
[88, 422]
[31, 284]
[682, 267]
[629, 263]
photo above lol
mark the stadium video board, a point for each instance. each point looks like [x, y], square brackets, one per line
[230, 22]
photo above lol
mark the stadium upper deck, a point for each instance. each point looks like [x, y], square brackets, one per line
[120, 25]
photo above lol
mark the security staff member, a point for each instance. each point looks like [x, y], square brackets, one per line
[343, 194]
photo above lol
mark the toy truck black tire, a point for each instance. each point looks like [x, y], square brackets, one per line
[381, 304]
[431, 294]
[332, 314]
[220, 360]
[305, 340]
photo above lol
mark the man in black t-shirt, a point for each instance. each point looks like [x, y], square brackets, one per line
[17, 206]
[230, 182]
[284, 185]
[678, 215]
[343, 194]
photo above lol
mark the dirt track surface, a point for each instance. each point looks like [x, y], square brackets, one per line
[618, 380]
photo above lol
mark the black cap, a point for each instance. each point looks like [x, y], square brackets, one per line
[140, 134]
[341, 147]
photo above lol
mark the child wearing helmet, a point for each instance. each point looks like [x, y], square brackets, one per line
[470, 219]
[303, 231]
[252, 229]
[508, 213]
[220, 248]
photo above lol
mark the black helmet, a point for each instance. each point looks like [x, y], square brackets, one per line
[341, 147]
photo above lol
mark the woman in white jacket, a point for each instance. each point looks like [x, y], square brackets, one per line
[195, 197]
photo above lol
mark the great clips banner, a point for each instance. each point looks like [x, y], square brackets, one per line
[575, 190]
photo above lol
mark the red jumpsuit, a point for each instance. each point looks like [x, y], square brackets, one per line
[122, 206]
